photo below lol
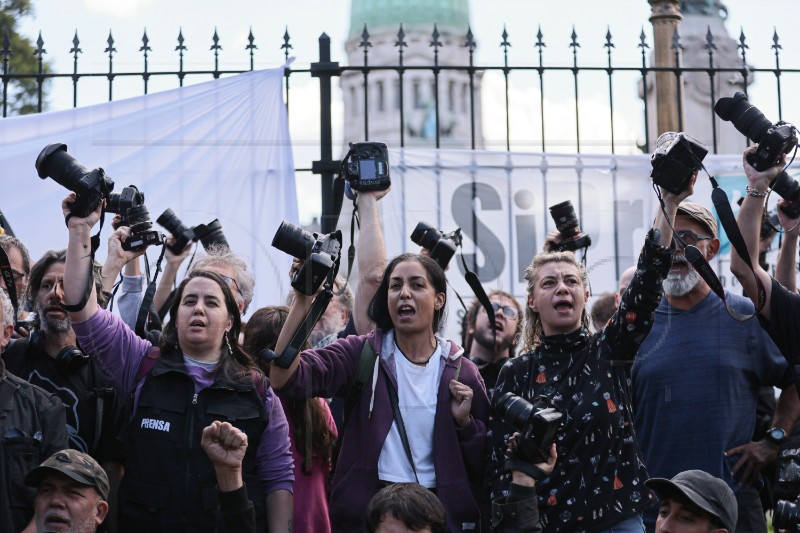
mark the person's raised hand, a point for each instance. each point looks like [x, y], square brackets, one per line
[73, 220]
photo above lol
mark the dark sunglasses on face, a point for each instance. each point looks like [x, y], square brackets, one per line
[691, 238]
[510, 312]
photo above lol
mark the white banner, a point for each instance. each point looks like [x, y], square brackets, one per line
[500, 201]
[219, 149]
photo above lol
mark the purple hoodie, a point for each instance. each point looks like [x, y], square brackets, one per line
[459, 453]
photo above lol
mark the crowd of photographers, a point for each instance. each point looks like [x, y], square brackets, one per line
[348, 410]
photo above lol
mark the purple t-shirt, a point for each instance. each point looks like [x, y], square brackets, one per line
[119, 352]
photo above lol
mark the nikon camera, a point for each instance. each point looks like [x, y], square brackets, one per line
[537, 423]
[367, 167]
[208, 234]
[675, 160]
[441, 246]
[129, 205]
[321, 254]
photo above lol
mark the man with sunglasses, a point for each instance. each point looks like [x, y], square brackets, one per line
[697, 377]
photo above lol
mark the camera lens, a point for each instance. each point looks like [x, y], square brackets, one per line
[787, 516]
[565, 218]
[56, 163]
[513, 410]
[787, 187]
[293, 240]
[745, 117]
[180, 233]
[425, 235]
[211, 234]
[139, 219]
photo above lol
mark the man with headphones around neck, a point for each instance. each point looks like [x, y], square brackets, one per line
[51, 359]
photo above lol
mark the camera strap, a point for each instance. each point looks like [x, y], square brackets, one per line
[300, 336]
[146, 308]
[8, 278]
[475, 284]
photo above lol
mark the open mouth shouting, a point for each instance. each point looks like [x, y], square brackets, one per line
[406, 312]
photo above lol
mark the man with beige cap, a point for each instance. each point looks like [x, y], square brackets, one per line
[697, 376]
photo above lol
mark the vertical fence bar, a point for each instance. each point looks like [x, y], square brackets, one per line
[110, 51]
[6, 52]
[325, 69]
[540, 44]
[777, 47]
[365, 44]
[574, 45]
[710, 47]
[287, 71]
[251, 47]
[742, 46]
[470, 45]
[40, 52]
[401, 43]
[180, 49]
[216, 48]
[505, 44]
[145, 48]
[610, 70]
[677, 47]
[435, 43]
[644, 46]
[75, 50]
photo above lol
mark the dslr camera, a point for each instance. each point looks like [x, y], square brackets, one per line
[321, 254]
[367, 167]
[676, 158]
[441, 246]
[537, 423]
[129, 205]
[773, 141]
[89, 186]
[208, 234]
[786, 516]
[568, 226]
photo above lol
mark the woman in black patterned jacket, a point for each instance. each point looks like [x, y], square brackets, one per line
[597, 484]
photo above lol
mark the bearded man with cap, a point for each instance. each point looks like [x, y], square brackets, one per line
[693, 502]
[696, 381]
[71, 493]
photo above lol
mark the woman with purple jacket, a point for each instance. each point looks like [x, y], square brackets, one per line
[433, 433]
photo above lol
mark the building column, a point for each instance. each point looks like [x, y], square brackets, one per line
[665, 17]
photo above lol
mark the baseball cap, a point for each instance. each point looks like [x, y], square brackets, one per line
[707, 492]
[75, 465]
[701, 214]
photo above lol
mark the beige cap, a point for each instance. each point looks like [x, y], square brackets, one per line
[701, 214]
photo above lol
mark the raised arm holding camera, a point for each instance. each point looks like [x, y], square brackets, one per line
[586, 377]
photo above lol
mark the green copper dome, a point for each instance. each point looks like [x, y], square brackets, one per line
[451, 16]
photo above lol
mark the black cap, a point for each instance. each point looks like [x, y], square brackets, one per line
[707, 492]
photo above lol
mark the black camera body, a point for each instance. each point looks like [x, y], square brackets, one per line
[441, 246]
[786, 516]
[676, 158]
[208, 234]
[129, 204]
[773, 139]
[537, 423]
[90, 186]
[321, 254]
[367, 168]
[568, 226]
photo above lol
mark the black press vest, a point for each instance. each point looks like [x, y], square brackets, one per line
[169, 483]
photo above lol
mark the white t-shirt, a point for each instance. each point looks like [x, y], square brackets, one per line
[417, 396]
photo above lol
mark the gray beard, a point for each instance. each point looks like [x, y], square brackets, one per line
[53, 326]
[681, 284]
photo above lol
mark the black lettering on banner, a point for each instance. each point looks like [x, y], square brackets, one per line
[494, 253]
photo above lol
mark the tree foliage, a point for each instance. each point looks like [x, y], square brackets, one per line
[22, 91]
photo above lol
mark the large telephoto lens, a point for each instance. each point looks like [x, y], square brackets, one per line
[513, 410]
[744, 116]
[293, 240]
[787, 187]
[181, 235]
[211, 235]
[54, 162]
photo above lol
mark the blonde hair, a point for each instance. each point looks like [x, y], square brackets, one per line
[533, 324]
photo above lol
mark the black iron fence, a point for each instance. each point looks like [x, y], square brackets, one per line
[326, 69]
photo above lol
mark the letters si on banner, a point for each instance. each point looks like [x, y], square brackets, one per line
[500, 201]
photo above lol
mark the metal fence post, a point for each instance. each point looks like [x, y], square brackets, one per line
[326, 166]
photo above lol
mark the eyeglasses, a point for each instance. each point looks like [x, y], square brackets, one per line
[691, 238]
[231, 283]
[510, 312]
